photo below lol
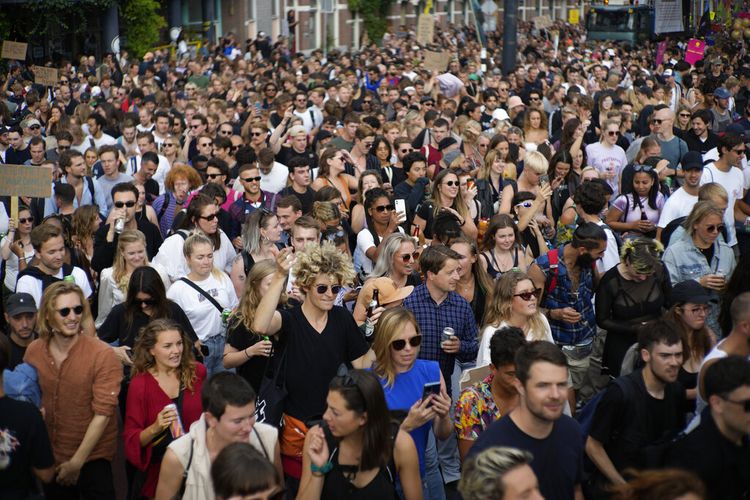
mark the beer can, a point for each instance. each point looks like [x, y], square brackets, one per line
[448, 334]
[119, 226]
[175, 427]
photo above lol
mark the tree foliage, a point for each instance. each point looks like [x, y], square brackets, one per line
[141, 21]
[71, 16]
[374, 14]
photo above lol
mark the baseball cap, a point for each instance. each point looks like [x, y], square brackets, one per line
[668, 72]
[692, 160]
[32, 122]
[722, 93]
[500, 114]
[690, 291]
[181, 95]
[20, 303]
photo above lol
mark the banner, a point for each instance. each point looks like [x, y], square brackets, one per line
[695, 51]
[668, 16]
[14, 50]
[425, 29]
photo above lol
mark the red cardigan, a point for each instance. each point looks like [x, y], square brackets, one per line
[145, 400]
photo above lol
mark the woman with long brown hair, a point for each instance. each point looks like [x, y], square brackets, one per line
[445, 197]
[474, 284]
[164, 399]
[502, 248]
[331, 173]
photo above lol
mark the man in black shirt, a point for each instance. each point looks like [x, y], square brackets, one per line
[700, 137]
[20, 314]
[718, 450]
[300, 178]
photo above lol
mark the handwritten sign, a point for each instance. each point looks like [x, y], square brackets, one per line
[436, 61]
[14, 50]
[542, 22]
[44, 75]
[425, 29]
[25, 180]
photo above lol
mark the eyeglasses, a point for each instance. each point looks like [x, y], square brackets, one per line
[26, 220]
[408, 257]
[715, 228]
[256, 134]
[612, 133]
[657, 121]
[527, 296]
[745, 404]
[525, 204]
[251, 179]
[322, 289]
[209, 218]
[740, 151]
[205, 144]
[400, 344]
[685, 115]
[383, 208]
[213, 176]
[35, 127]
[120, 204]
[145, 302]
[642, 168]
[451, 183]
[65, 311]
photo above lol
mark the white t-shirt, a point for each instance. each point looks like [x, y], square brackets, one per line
[134, 165]
[607, 160]
[611, 255]
[203, 315]
[732, 181]
[104, 140]
[678, 205]
[171, 258]
[276, 179]
[33, 286]
[483, 356]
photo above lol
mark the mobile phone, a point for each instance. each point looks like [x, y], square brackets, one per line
[430, 388]
[400, 206]
[544, 179]
[204, 351]
[130, 354]
[257, 106]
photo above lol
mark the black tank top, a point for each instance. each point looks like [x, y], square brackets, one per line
[493, 269]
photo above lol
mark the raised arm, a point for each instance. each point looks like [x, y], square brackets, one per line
[267, 319]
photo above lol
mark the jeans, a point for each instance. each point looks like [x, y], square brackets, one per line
[433, 481]
[213, 361]
[95, 482]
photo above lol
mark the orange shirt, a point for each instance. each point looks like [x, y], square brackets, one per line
[87, 383]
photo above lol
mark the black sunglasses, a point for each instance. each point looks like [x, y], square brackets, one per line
[657, 121]
[383, 208]
[147, 302]
[35, 127]
[251, 179]
[612, 133]
[24, 221]
[642, 168]
[321, 289]
[715, 228]
[400, 344]
[745, 404]
[408, 257]
[451, 183]
[65, 311]
[527, 296]
[120, 204]
[257, 134]
[213, 176]
[209, 218]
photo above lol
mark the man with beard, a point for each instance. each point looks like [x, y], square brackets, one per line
[538, 425]
[640, 410]
[568, 278]
[20, 315]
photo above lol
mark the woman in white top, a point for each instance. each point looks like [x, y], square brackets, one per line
[16, 249]
[606, 156]
[382, 220]
[192, 294]
[201, 217]
[513, 303]
[113, 281]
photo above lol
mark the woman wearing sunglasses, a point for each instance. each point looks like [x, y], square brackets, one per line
[445, 197]
[606, 156]
[381, 220]
[514, 302]
[701, 255]
[113, 281]
[637, 213]
[529, 220]
[535, 166]
[16, 249]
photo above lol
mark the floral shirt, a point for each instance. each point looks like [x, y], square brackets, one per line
[475, 410]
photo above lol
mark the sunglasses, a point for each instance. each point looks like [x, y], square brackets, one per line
[525, 204]
[256, 134]
[194, 126]
[65, 311]
[739, 151]
[209, 218]
[169, 145]
[408, 257]
[383, 208]
[612, 133]
[226, 132]
[24, 221]
[451, 183]
[213, 176]
[251, 179]
[400, 344]
[322, 289]
[145, 302]
[642, 168]
[685, 115]
[120, 204]
[715, 228]
[205, 144]
[404, 151]
[62, 148]
[745, 404]
[656, 121]
[527, 296]
[35, 127]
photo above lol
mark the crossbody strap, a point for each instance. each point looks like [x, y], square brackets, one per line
[204, 293]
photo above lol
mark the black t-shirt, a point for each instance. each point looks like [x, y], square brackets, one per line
[558, 459]
[252, 369]
[24, 443]
[117, 327]
[287, 153]
[104, 251]
[16, 353]
[306, 199]
[313, 358]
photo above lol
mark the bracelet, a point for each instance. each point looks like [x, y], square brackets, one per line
[246, 354]
[321, 470]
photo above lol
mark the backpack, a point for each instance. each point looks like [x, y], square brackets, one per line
[45, 278]
[164, 206]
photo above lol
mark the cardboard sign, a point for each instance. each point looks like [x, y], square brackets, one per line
[436, 61]
[425, 29]
[695, 50]
[45, 76]
[14, 50]
[542, 22]
[573, 16]
[25, 180]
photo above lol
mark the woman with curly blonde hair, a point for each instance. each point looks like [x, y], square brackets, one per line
[319, 337]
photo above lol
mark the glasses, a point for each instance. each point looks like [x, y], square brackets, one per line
[642, 168]
[404, 151]
[26, 220]
[713, 228]
[145, 302]
[120, 204]
[205, 144]
[256, 134]
[62, 148]
[525, 204]
[383, 208]
[527, 296]
[400, 344]
[657, 121]
[451, 183]
[209, 218]
[169, 145]
[408, 257]
[367, 101]
[534, 99]
[195, 126]
[251, 179]
[225, 132]
[323, 289]
[213, 176]
[503, 89]
[685, 115]
[65, 311]
[745, 404]
[611, 133]
[740, 151]
[35, 127]
[428, 104]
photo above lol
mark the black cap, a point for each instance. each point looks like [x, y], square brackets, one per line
[692, 160]
[690, 291]
[20, 303]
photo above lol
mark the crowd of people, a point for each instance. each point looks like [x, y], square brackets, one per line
[263, 274]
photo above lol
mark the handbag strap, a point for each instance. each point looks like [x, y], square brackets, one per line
[187, 470]
[204, 293]
[265, 451]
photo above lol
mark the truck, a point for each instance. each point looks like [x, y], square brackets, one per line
[624, 20]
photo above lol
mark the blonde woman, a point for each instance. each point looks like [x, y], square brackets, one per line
[445, 197]
[113, 282]
[490, 182]
[534, 167]
[513, 302]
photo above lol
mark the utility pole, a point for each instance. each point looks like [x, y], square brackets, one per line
[510, 35]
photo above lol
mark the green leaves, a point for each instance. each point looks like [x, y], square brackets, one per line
[141, 21]
[373, 14]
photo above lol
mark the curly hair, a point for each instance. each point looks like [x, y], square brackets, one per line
[182, 171]
[147, 338]
[323, 259]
